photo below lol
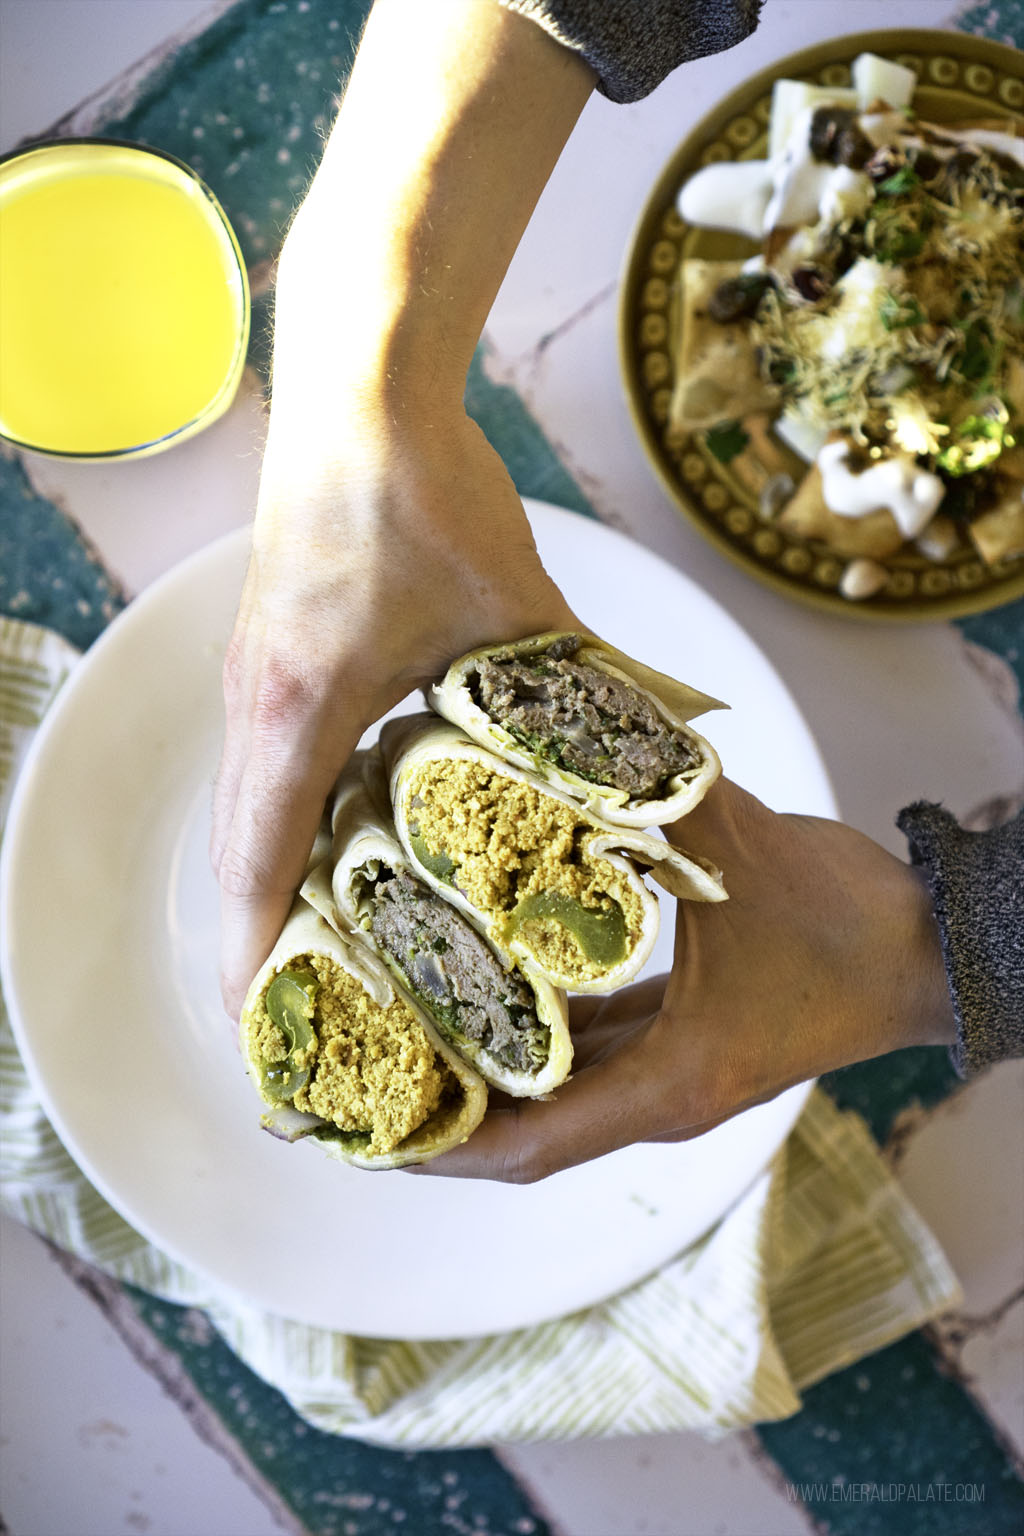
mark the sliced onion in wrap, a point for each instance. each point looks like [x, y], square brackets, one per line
[339, 1053]
[589, 720]
[503, 1018]
[550, 884]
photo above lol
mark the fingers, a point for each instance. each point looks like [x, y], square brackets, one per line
[615, 1097]
[284, 748]
[602, 1108]
[602, 1024]
[714, 825]
[636, 1002]
[644, 1069]
[276, 814]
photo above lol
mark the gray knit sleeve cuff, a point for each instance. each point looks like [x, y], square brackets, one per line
[633, 44]
[977, 886]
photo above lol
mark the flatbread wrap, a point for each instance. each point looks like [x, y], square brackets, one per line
[340, 1054]
[501, 1016]
[549, 884]
[588, 720]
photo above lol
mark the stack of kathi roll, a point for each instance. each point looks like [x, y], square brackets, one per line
[482, 861]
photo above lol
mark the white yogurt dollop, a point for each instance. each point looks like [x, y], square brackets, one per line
[897, 483]
[753, 197]
[801, 184]
[733, 196]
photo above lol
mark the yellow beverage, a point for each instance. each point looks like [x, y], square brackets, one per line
[124, 307]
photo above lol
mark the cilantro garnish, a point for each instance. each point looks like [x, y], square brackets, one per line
[903, 180]
[726, 440]
[977, 442]
[896, 313]
[975, 359]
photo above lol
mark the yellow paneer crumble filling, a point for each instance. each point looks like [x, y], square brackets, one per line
[268, 1041]
[373, 1069]
[508, 842]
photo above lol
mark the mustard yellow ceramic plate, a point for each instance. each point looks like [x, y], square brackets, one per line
[959, 77]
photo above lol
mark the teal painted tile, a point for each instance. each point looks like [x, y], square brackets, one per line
[880, 1089]
[248, 103]
[48, 573]
[337, 1486]
[261, 336]
[1000, 630]
[1001, 20]
[893, 1447]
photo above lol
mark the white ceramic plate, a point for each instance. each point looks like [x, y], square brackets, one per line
[110, 970]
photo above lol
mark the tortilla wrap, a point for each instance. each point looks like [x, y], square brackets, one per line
[717, 377]
[457, 698]
[482, 1016]
[407, 1075]
[549, 883]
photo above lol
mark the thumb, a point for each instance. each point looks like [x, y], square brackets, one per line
[719, 823]
[606, 1106]
[280, 799]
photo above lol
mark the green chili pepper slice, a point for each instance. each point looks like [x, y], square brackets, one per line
[290, 1002]
[600, 934]
[439, 864]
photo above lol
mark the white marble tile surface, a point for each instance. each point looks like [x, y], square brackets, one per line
[963, 1167]
[90, 1443]
[964, 1170]
[992, 1361]
[56, 53]
[658, 1485]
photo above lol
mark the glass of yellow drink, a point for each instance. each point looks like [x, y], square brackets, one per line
[124, 304]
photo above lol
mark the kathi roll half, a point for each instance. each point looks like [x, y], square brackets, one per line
[550, 884]
[502, 1017]
[588, 720]
[342, 1055]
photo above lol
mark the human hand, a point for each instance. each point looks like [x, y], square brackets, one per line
[826, 953]
[388, 537]
[378, 556]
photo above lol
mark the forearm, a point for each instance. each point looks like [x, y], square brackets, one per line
[453, 119]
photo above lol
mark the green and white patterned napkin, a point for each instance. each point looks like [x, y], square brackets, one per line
[821, 1262]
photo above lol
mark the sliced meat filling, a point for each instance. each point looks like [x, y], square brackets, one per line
[456, 974]
[583, 720]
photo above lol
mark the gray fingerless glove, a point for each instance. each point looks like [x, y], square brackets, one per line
[977, 886]
[633, 44]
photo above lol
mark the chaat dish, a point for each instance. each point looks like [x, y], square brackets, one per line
[878, 332]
